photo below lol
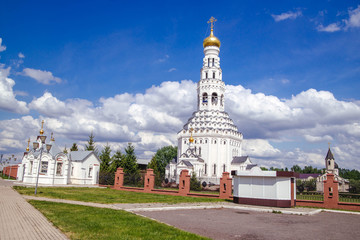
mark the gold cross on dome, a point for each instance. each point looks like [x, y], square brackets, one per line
[211, 21]
[329, 145]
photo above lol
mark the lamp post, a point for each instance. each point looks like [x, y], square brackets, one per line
[41, 148]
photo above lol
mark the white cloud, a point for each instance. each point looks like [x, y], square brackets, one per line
[354, 18]
[151, 120]
[352, 22]
[2, 47]
[160, 60]
[333, 27]
[44, 77]
[20, 55]
[286, 15]
[172, 69]
[8, 102]
[21, 93]
[49, 106]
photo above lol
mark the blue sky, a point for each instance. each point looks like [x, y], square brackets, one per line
[70, 61]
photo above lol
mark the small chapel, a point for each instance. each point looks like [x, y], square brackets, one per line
[209, 143]
[47, 164]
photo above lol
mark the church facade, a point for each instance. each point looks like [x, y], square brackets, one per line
[54, 167]
[209, 143]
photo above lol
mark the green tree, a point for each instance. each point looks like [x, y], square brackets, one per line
[105, 158]
[296, 168]
[162, 157]
[74, 147]
[195, 184]
[129, 163]
[354, 186]
[91, 144]
[65, 150]
[116, 161]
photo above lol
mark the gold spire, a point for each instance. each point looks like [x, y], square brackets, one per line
[52, 137]
[211, 40]
[42, 126]
[28, 149]
[329, 144]
[191, 139]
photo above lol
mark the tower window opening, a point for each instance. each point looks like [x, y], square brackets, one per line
[214, 98]
[206, 75]
[224, 168]
[205, 169]
[222, 100]
[208, 62]
[205, 98]
[213, 74]
[214, 169]
[213, 62]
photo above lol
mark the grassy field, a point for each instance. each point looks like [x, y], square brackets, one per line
[107, 195]
[81, 222]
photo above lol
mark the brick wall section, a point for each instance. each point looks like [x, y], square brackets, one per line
[12, 170]
[225, 186]
[184, 183]
[331, 197]
[149, 180]
[119, 179]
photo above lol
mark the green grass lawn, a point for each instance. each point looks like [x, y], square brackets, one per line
[82, 222]
[107, 195]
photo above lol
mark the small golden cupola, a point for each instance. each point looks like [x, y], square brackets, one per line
[211, 40]
[191, 139]
[42, 128]
[28, 149]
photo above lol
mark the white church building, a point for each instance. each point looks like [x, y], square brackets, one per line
[209, 143]
[54, 167]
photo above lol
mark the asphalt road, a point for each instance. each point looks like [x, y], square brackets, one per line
[239, 224]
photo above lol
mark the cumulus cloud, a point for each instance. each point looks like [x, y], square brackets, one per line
[333, 27]
[286, 15]
[353, 21]
[354, 18]
[44, 77]
[151, 120]
[2, 47]
[20, 55]
[8, 101]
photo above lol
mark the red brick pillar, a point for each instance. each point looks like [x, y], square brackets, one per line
[149, 180]
[225, 186]
[292, 182]
[331, 192]
[119, 179]
[184, 183]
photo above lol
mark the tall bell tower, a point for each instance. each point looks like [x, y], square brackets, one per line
[211, 88]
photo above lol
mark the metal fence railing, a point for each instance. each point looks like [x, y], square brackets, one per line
[349, 197]
[134, 179]
[314, 196]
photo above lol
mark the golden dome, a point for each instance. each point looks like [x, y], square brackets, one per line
[191, 139]
[42, 126]
[211, 40]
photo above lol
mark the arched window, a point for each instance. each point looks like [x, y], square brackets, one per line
[206, 75]
[213, 74]
[224, 168]
[214, 169]
[222, 100]
[199, 151]
[205, 169]
[214, 98]
[205, 98]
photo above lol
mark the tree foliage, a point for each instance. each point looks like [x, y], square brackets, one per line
[162, 157]
[91, 144]
[116, 161]
[349, 174]
[129, 163]
[74, 147]
[105, 159]
[195, 184]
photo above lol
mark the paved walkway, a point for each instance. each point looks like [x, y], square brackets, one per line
[20, 220]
